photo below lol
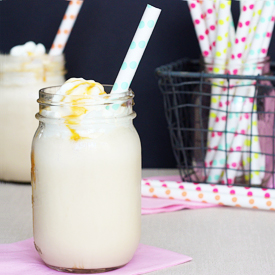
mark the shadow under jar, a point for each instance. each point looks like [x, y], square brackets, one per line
[86, 174]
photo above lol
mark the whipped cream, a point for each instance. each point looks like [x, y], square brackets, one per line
[80, 86]
[78, 101]
[28, 49]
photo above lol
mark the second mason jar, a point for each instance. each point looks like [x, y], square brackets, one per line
[86, 178]
[20, 79]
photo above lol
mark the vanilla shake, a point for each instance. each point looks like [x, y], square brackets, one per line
[22, 73]
[86, 175]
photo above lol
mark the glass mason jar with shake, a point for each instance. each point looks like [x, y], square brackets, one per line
[86, 169]
[22, 73]
[86, 174]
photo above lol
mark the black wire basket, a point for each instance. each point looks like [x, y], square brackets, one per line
[186, 92]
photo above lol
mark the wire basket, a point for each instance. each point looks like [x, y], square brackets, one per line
[187, 96]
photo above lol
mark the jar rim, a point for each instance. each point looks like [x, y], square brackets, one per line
[48, 96]
[8, 56]
[98, 104]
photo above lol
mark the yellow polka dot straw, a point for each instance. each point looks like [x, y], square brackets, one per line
[232, 35]
[136, 50]
[65, 28]
[224, 37]
[220, 57]
[257, 198]
[221, 140]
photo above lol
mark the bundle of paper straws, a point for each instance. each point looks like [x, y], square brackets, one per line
[233, 138]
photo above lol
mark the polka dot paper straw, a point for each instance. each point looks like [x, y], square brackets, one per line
[252, 28]
[256, 161]
[200, 26]
[209, 12]
[65, 28]
[136, 50]
[220, 139]
[257, 198]
[267, 37]
[263, 32]
[222, 38]
[229, 38]
[232, 35]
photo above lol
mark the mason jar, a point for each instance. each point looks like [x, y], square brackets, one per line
[20, 79]
[86, 178]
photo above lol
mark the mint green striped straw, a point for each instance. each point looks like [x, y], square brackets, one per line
[136, 50]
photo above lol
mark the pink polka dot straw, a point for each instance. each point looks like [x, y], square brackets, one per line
[65, 28]
[249, 197]
[209, 12]
[200, 27]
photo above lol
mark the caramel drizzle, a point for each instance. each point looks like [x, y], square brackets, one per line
[33, 175]
[78, 111]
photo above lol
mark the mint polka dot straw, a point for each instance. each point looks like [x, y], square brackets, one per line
[136, 49]
[65, 28]
[254, 22]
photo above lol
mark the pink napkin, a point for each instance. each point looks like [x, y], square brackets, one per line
[158, 205]
[21, 258]
[151, 205]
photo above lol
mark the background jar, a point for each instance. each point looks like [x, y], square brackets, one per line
[20, 79]
[86, 175]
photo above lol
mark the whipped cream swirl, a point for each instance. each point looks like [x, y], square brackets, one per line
[28, 49]
[78, 101]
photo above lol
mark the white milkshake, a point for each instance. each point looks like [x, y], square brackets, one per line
[86, 174]
[22, 73]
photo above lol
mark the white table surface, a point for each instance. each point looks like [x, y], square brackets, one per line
[222, 241]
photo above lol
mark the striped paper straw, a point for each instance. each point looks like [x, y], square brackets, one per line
[136, 50]
[249, 105]
[221, 140]
[200, 26]
[210, 193]
[65, 28]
